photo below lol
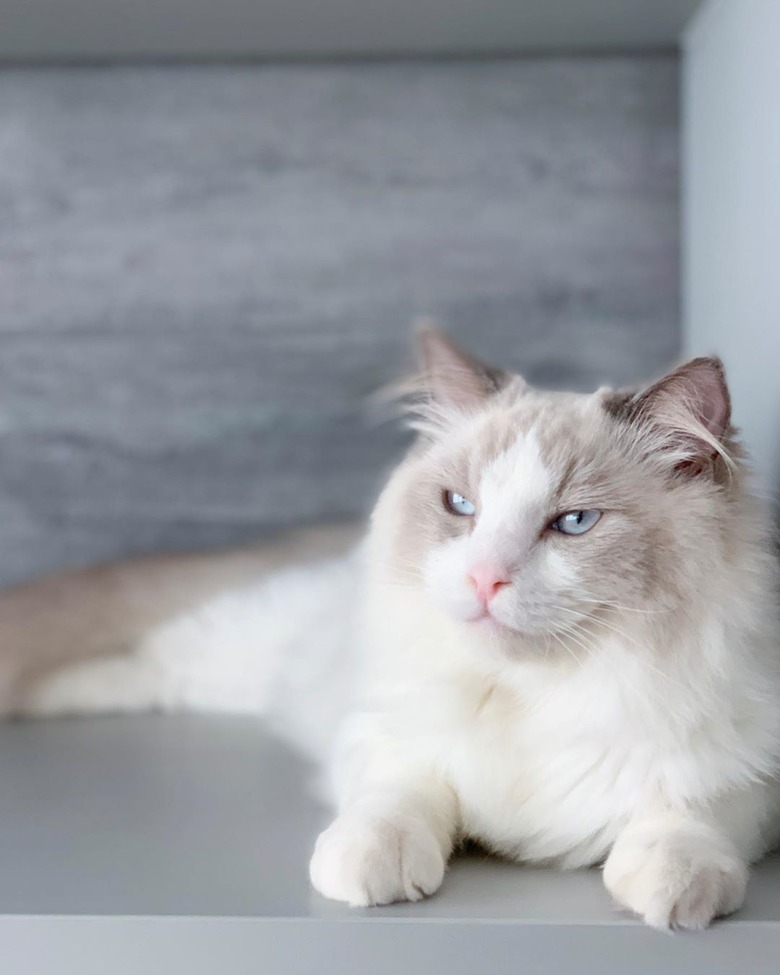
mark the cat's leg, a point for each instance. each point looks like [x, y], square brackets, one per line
[677, 870]
[386, 847]
[190, 663]
[121, 684]
[392, 837]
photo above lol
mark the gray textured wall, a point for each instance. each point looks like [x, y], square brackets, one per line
[204, 270]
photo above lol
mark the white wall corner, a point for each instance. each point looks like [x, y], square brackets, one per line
[731, 209]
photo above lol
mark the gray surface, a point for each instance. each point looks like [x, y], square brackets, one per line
[205, 28]
[732, 211]
[184, 946]
[203, 272]
[123, 822]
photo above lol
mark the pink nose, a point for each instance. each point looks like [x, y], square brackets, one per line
[487, 582]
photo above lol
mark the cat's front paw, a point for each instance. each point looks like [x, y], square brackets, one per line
[367, 861]
[676, 881]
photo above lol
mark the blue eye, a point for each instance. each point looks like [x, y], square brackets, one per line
[459, 505]
[576, 522]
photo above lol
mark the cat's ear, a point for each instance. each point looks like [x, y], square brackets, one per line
[690, 412]
[454, 379]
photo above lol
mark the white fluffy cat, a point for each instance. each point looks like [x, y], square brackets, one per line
[559, 639]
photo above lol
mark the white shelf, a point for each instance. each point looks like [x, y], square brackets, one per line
[180, 845]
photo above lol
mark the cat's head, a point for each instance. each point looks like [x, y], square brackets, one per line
[530, 513]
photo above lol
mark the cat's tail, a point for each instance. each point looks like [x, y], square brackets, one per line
[90, 640]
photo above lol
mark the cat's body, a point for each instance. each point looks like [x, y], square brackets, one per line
[209, 632]
[610, 693]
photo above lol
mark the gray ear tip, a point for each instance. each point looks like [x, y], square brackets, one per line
[432, 342]
[719, 366]
[426, 329]
[712, 362]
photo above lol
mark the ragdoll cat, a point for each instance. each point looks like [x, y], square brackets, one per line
[559, 639]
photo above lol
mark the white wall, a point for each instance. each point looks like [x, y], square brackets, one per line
[731, 189]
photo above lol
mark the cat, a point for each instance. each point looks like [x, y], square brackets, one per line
[558, 639]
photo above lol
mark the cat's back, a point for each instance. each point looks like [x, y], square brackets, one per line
[280, 646]
[218, 605]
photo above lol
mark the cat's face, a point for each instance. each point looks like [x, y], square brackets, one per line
[531, 513]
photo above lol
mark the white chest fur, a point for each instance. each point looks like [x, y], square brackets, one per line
[549, 763]
[551, 766]
[538, 784]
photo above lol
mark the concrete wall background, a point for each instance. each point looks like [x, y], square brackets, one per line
[204, 272]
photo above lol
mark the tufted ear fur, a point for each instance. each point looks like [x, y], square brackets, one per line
[689, 411]
[455, 379]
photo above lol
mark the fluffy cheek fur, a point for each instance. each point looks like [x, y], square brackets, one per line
[445, 576]
[519, 484]
[557, 581]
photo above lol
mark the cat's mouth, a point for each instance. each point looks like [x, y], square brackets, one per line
[484, 619]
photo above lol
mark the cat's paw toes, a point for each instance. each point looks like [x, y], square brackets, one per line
[369, 861]
[670, 886]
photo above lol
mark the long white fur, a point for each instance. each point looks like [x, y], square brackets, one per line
[660, 761]
[242, 652]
